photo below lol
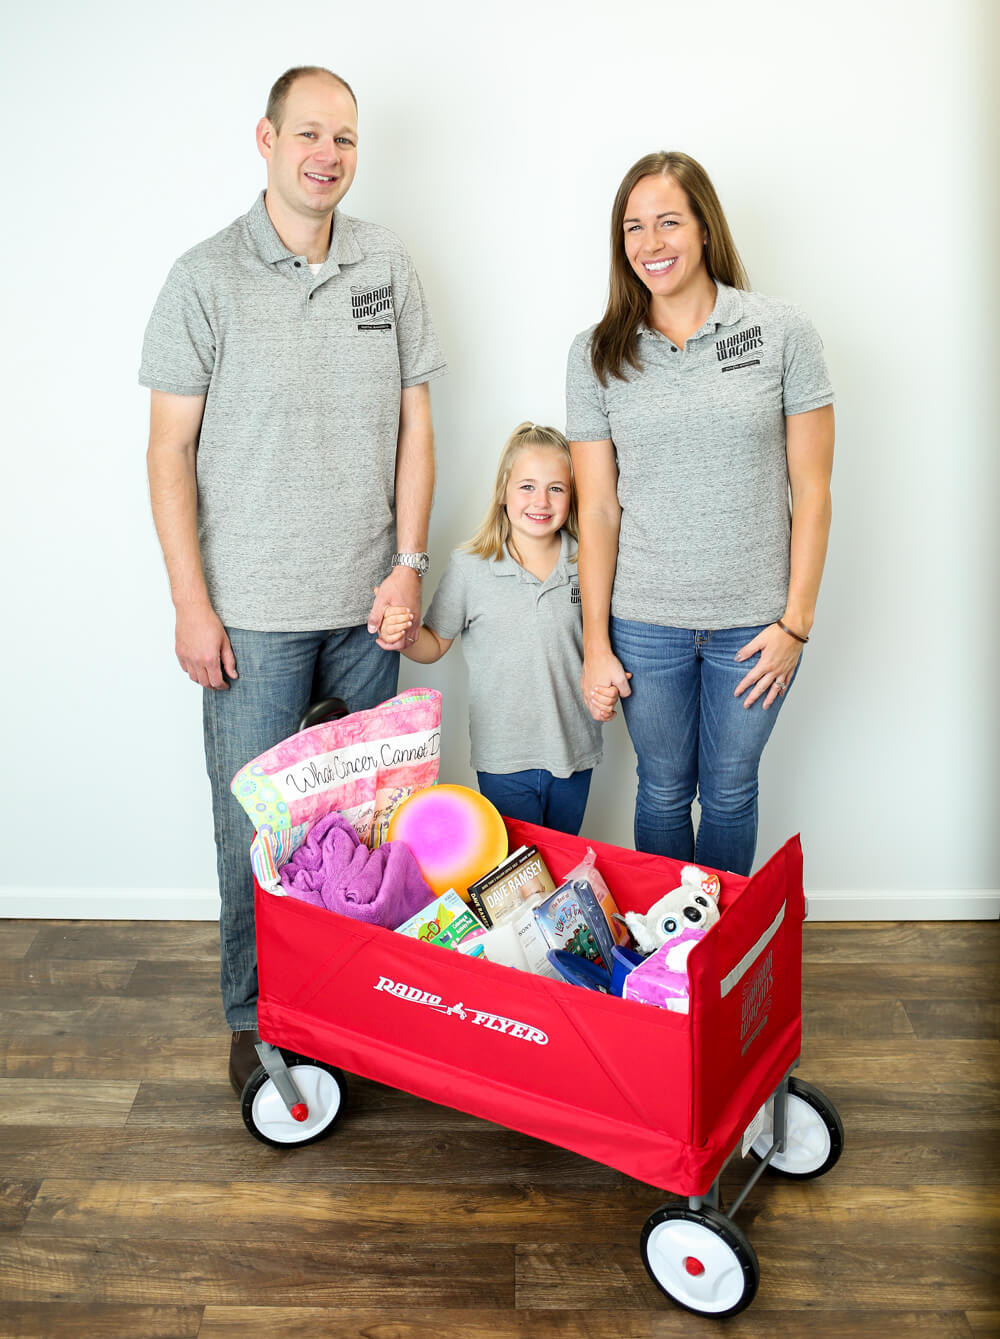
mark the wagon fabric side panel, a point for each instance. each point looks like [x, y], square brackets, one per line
[539, 1056]
[746, 1001]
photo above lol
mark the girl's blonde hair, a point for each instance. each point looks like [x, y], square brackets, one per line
[614, 343]
[494, 535]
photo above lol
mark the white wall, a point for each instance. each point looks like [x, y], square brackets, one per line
[851, 146]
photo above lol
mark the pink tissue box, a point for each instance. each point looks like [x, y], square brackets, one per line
[662, 979]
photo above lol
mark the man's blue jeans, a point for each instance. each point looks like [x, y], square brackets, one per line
[692, 736]
[536, 796]
[280, 674]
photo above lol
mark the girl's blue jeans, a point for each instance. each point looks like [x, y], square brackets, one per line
[536, 796]
[693, 737]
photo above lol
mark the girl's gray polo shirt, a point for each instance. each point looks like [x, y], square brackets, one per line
[523, 643]
[699, 434]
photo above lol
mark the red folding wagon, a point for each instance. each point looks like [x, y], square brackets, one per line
[666, 1098]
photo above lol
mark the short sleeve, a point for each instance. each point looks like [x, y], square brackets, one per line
[178, 350]
[448, 614]
[586, 410]
[420, 356]
[805, 379]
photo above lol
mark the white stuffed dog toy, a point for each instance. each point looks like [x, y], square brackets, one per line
[693, 907]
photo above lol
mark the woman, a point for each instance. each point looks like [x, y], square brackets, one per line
[694, 407]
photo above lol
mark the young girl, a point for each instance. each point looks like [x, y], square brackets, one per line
[512, 593]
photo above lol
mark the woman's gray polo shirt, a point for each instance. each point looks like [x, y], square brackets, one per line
[699, 434]
[302, 376]
[523, 643]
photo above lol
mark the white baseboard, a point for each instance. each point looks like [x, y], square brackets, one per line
[202, 904]
[967, 904]
[110, 904]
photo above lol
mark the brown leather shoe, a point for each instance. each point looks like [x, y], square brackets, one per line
[243, 1059]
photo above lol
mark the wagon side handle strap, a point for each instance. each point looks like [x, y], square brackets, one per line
[746, 962]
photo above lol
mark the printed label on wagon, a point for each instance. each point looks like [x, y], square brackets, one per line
[510, 1027]
[756, 1004]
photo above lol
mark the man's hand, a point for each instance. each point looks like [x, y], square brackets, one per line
[400, 588]
[203, 647]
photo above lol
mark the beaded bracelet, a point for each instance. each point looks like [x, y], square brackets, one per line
[781, 625]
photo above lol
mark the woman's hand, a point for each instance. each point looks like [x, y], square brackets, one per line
[772, 674]
[603, 671]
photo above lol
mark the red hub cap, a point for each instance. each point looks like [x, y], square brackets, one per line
[693, 1265]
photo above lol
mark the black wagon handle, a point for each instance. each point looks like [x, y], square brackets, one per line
[330, 709]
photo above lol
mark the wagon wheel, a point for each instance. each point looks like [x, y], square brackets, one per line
[324, 1092]
[814, 1135]
[700, 1259]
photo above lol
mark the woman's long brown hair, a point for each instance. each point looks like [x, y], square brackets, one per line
[614, 342]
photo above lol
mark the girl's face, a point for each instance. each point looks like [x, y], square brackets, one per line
[664, 241]
[538, 492]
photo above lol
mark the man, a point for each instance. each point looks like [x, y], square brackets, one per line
[291, 467]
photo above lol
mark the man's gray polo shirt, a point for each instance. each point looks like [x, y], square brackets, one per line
[523, 643]
[302, 375]
[699, 434]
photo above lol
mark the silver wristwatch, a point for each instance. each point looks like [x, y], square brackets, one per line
[418, 561]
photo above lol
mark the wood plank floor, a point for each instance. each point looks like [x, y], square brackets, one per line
[133, 1203]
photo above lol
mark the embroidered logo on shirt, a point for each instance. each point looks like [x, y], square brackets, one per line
[574, 593]
[744, 341]
[371, 308]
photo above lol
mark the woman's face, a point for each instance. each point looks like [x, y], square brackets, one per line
[538, 493]
[663, 239]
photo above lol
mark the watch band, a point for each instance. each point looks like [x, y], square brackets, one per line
[420, 562]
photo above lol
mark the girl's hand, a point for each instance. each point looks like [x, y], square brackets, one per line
[396, 623]
[603, 671]
[603, 700]
[772, 674]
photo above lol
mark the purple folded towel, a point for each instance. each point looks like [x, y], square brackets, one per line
[333, 869]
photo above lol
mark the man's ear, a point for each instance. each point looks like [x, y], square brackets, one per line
[265, 137]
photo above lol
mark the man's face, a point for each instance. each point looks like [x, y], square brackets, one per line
[312, 159]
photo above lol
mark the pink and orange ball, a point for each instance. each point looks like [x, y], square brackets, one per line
[455, 833]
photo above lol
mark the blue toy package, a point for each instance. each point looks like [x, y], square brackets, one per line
[564, 924]
[571, 918]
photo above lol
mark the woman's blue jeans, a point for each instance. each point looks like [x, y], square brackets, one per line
[693, 737]
[280, 674]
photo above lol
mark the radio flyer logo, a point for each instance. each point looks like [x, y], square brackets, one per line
[757, 1000]
[371, 308]
[510, 1027]
[737, 346]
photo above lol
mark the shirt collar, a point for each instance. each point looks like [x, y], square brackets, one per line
[728, 310]
[344, 245]
[506, 566]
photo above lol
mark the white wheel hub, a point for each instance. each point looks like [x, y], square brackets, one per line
[807, 1139]
[321, 1094]
[695, 1266]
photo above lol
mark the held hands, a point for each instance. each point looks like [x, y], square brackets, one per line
[602, 683]
[401, 588]
[772, 674]
[396, 623]
[203, 647]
